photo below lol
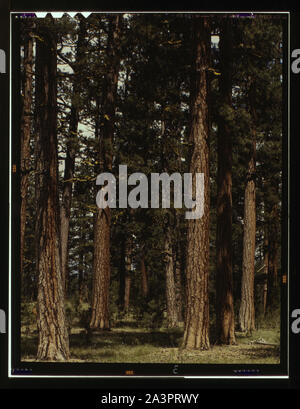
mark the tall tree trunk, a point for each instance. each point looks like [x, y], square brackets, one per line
[224, 283]
[53, 343]
[101, 269]
[247, 309]
[101, 264]
[196, 334]
[25, 134]
[65, 210]
[172, 317]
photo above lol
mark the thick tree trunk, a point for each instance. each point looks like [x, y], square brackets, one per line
[224, 283]
[65, 210]
[53, 343]
[247, 309]
[172, 317]
[25, 135]
[101, 266]
[196, 334]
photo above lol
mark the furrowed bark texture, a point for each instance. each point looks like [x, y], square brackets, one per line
[101, 264]
[53, 342]
[196, 334]
[224, 283]
[247, 309]
[25, 135]
[172, 316]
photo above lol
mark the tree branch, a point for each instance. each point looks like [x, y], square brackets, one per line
[72, 65]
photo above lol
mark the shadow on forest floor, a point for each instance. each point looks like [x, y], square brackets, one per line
[126, 343]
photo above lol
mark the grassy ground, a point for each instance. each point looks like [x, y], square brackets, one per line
[127, 344]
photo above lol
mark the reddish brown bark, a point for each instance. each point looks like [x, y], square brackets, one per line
[101, 268]
[26, 134]
[53, 342]
[224, 283]
[247, 309]
[172, 312]
[196, 334]
[101, 264]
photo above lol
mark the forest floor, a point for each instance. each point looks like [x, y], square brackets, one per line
[126, 343]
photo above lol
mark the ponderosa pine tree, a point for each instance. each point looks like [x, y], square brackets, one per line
[101, 263]
[196, 334]
[224, 284]
[26, 122]
[247, 308]
[172, 310]
[53, 341]
[261, 84]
